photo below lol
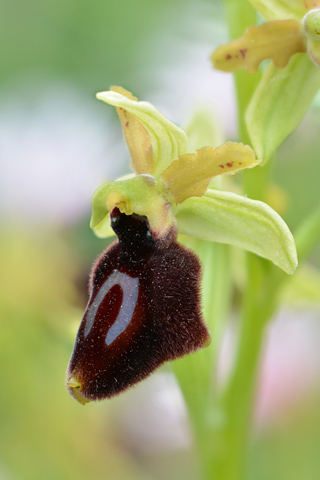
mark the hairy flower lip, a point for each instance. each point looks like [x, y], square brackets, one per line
[144, 310]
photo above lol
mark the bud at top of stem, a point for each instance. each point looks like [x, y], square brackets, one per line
[311, 26]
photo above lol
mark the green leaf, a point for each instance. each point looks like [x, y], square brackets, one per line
[280, 102]
[168, 140]
[249, 224]
[280, 9]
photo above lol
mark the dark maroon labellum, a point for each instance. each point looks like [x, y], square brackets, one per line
[144, 309]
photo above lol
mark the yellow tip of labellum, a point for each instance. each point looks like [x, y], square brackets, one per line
[206, 342]
[76, 387]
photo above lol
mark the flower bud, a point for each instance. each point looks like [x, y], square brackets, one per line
[311, 25]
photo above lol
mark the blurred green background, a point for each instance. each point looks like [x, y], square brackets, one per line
[57, 144]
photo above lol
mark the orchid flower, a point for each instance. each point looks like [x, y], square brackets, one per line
[291, 39]
[292, 27]
[144, 307]
[172, 187]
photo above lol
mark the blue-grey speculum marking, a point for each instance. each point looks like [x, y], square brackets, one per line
[130, 288]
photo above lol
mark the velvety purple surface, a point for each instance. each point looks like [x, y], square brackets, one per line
[166, 320]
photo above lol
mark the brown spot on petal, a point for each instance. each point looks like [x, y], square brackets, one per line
[243, 52]
[221, 166]
[309, 4]
[277, 40]
[229, 164]
[136, 135]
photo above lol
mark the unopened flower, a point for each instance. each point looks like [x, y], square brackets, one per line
[144, 306]
[293, 27]
[311, 26]
[291, 39]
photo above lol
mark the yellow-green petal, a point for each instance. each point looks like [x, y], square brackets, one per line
[168, 141]
[280, 102]
[281, 9]
[137, 137]
[277, 40]
[311, 4]
[249, 224]
[190, 175]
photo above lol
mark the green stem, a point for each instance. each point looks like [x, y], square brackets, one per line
[195, 372]
[221, 420]
[308, 234]
[237, 399]
[264, 286]
[230, 438]
[240, 15]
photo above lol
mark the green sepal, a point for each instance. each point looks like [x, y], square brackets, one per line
[103, 229]
[249, 224]
[280, 102]
[168, 140]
